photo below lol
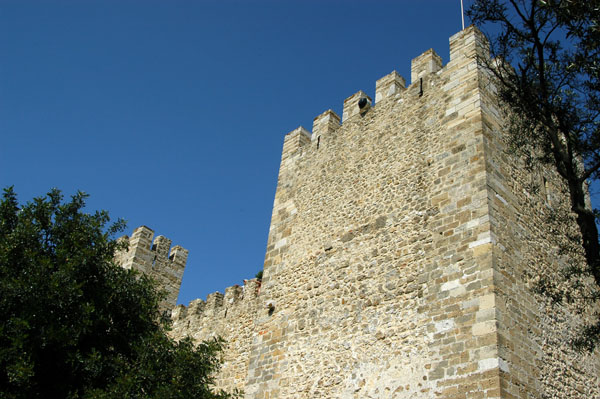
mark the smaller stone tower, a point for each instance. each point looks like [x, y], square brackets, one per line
[154, 259]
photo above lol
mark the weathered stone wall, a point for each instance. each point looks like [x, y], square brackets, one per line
[530, 220]
[156, 259]
[231, 316]
[394, 266]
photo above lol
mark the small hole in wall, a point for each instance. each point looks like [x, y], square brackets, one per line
[225, 316]
[318, 142]
[153, 247]
[271, 310]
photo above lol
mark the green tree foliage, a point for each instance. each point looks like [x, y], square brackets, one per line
[73, 324]
[547, 70]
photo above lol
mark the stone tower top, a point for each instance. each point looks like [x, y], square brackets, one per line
[399, 250]
[154, 259]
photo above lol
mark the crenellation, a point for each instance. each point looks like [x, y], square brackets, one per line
[179, 256]
[154, 259]
[325, 124]
[295, 140]
[235, 298]
[292, 146]
[388, 86]
[139, 249]
[161, 246]
[196, 307]
[143, 234]
[469, 44]
[425, 64]
[179, 313]
[251, 288]
[351, 105]
[214, 302]
[398, 256]
[232, 294]
[230, 316]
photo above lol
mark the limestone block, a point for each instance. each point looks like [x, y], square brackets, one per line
[388, 86]
[426, 63]
[324, 124]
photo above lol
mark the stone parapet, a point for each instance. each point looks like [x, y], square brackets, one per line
[389, 86]
[352, 105]
[427, 63]
[469, 43]
[324, 124]
[230, 316]
[236, 298]
[156, 259]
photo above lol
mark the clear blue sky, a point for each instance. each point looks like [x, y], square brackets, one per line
[172, 114]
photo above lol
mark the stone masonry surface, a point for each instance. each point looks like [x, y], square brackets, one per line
[154, 259]
[403, 245]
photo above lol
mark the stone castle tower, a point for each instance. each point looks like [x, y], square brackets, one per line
[400, 255]
[154, 259]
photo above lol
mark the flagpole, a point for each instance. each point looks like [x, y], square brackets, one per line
[462, 14]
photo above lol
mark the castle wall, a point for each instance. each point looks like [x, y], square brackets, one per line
[395, 264]
[156, 259]
[231, 316]
[374, 250]
[530, 222]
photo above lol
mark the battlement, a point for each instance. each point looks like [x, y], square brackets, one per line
[237, 301]
[465, 47]
[388, 86]
[157, 259]
[426, 63]
[326, 123]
